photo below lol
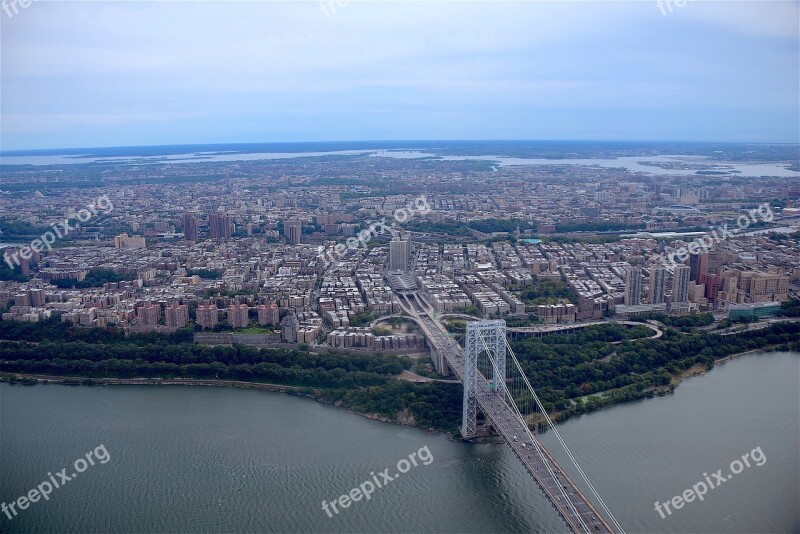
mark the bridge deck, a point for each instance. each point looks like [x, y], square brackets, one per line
[544, 469]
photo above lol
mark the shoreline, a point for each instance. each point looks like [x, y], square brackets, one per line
[732, 356]
[406, 419]
[37, 379]
[90, 381]
[675, 381]
[699, 369]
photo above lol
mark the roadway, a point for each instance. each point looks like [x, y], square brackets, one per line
[542, 330]
[569, 502]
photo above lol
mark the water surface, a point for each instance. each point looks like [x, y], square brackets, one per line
[223, 460]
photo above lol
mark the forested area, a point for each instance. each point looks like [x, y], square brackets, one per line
[432, 404]
[359, 382]
[13, 274]
[94, 278]
[488, 226]
[684, 321]
[790, 308]
[573, 373]
[569, 371]
[565, 228]
[546, 292]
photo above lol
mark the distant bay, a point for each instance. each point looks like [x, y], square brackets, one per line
[663, 161]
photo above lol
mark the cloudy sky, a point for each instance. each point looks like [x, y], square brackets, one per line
[85, 74]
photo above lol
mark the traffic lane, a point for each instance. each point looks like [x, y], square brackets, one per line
[507, 424]
[553, 486]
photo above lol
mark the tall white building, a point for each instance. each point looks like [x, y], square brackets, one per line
[680, 284]
[633, 286]
[293, 230]
[658, 285]
[400, 252]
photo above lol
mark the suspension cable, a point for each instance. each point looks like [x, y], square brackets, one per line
[545, 461]
[562, 442]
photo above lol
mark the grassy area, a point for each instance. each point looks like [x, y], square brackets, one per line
[256, 330]
[396, 325]
[543, 292]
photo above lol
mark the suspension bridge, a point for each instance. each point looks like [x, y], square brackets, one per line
[496, 386]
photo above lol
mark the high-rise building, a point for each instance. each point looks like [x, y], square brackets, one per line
[237, 316]
[698, 265]
[37, 297]
[712, 287]
[148, 313]
[268, 314]
[219, 226]
[400, 252]
[207, 315]
[714, 261]
[349, 230]
[761, 286]
[177, 315]
[190, 227]
[289, 327]
[293, 230]
[680, 283]
[633, 286]
[25, 266]
[658, 285]
[728, 287]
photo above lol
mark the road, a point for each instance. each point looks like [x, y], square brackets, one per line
[554, 328]
[569, 502]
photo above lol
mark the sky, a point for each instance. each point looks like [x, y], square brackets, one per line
[118, 73]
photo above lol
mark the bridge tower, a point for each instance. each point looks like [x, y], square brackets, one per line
[480, 336]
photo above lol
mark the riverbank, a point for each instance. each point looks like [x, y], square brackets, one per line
[613, 397]
[732, 356]
[699, 369]
[368, 385]
[86, 381]
[405, 417]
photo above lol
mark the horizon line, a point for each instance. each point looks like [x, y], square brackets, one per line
[353, 141]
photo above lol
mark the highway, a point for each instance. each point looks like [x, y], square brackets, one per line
[569, 502]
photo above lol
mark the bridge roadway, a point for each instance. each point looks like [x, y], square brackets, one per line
[546, 472]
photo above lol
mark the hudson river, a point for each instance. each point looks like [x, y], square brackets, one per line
[201, 459]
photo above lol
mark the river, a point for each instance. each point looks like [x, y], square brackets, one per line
[201, 459]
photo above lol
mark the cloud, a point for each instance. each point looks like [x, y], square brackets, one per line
[250, 67]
